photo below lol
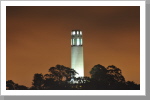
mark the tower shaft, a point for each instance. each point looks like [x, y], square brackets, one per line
[77, 62]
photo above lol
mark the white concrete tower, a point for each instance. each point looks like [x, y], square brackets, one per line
[77, 62]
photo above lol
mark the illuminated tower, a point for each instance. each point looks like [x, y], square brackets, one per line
[77, 52]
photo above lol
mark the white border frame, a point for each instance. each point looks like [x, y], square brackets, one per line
[140, 92]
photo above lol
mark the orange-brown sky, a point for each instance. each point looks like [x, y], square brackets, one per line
[38, 38]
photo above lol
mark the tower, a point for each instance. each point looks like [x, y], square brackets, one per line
[77, 52]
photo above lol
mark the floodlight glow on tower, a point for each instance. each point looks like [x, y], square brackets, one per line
[77, 62]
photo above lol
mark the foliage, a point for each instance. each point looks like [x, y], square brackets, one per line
[61, 72]
[63, 78]
[10, 85]
[98, 72]
[38, 81]
[107, 78]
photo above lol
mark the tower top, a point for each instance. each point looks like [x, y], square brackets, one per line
[76, 38]
[76, 32]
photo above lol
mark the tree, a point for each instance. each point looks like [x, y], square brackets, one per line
[38, 81]
[61, 72]
[63, 78]
[106, 78]
[115, 73]
[49, 82]
[10, 85]
[98, 72]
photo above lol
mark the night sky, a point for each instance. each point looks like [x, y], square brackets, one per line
[38, 38]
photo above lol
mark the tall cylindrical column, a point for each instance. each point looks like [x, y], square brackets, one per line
[77, 60]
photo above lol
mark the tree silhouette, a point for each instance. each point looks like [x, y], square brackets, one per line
[107, 78]
[49, 83]
[61, 72]
[115, 77]
[60, 78]
[10, 85]
[115, 73]
[98, 72]
[38, 81]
